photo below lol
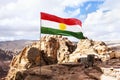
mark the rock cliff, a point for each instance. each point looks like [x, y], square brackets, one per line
[49, 50]
[52, 50]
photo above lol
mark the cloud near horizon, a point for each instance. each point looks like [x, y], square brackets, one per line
[103, 24]
[20, 19]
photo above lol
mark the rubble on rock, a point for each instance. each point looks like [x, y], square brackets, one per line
[52, 50]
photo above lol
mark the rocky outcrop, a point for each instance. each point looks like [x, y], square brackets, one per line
[86, 46]
[49, 50]
[56, 48]
[52, 50]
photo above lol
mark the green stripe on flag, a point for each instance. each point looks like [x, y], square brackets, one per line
[46, 30]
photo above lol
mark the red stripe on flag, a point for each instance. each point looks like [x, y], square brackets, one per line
[68, 21]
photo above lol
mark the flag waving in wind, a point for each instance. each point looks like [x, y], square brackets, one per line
[51, 24]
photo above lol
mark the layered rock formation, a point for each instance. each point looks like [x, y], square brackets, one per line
[49, 50]
[53, 50]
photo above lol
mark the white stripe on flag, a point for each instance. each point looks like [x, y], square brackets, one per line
[55, 25]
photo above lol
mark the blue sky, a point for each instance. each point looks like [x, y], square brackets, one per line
[85, 9]
[20, 19]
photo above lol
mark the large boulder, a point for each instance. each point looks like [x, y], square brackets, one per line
[49, 50]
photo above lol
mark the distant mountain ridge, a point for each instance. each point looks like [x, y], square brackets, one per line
[114, 42]
[6, 55]
[15, 45]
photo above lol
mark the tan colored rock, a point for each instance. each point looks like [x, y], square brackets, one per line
[112, 54]
[57, 48]
[86, 46]
[65, 49]
[115, 51]
[26, 59]
[52, 50]
[49, 50]
[117, 54]
[111, 73]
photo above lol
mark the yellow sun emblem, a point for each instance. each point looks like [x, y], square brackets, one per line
[62, 26]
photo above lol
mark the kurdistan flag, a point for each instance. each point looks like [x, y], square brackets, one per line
[51, 24]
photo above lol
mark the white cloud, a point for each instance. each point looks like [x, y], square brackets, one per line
[110, 4]
[20, 19]
[74, 13]
[102, 25]
[74, 3]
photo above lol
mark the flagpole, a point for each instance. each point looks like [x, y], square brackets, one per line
[40, 42]
[40, 24]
